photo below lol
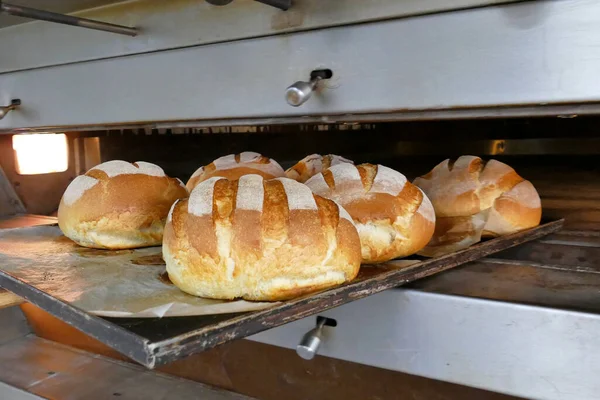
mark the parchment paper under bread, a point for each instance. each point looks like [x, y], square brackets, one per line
[122, 283]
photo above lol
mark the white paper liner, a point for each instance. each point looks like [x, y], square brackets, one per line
[120, 284]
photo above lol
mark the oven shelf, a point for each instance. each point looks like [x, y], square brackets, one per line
[152, 342]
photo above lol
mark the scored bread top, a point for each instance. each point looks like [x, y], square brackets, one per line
[394, 218]
[249, 193]
[474, 199]
[118, 167]
[366, 190]
[77, 188]
[233, 166]
[469, 185]
[118, 205]
[252, 218]
[258, 239]
[312, 165]
[110, 169]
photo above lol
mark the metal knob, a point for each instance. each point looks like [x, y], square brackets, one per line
[300, 92]
[13, 104]
[311, 341]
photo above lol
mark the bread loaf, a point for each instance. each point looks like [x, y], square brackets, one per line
[393, 217]
[119, 205]
[235, 165]
[312, 165]
[474, 199]
[259, 240]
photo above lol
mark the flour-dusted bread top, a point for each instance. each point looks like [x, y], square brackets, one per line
[259, 240]
[312, 165]
[234, 166]
[118, 205]
[394, 218]
[473, 199]
[470, 185]
[117, 167]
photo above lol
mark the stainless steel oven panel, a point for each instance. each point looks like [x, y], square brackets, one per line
[526, 351]
[171, 24]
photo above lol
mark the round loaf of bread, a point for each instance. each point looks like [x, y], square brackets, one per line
[234, 166]
[119, 205]
[311, 165]
[474, 199]
[393, 217]
[258, 239]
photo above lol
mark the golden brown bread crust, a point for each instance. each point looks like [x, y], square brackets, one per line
[474, 199]
[118, 205]
[313, 164]
[258, 240]
[393, 217]
[234, 166]
[454, 233]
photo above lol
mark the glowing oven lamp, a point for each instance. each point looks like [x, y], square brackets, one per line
[41, 153]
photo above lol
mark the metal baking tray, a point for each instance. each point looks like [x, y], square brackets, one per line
[155, 341]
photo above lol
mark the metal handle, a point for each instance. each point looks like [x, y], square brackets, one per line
[13, 104]
[299, 93]
[311, 341]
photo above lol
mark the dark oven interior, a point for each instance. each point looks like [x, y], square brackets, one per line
[557, 154]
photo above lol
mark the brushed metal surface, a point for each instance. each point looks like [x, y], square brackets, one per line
[526, 351]
[529, 53]
[59, 6]
[45, 15]
[172, 24]
[13, 393]
[12, 324]
[10, 203]
[56, 371]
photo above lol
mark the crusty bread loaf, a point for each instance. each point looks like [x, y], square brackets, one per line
[313, 164]
[119, 205]
[259, 240]
[235, 165]
[474, 199]
[393, 217]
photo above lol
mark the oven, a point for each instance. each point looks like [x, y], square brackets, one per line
[404, 84]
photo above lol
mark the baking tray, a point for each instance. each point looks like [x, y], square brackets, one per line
[128, 283]
[156, 341]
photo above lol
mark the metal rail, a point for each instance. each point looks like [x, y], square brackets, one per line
[34, 13]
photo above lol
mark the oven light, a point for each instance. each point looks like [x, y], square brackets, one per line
[40, 153]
